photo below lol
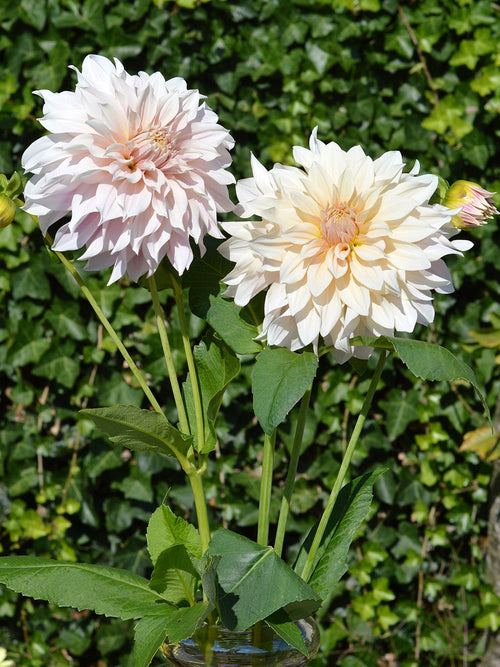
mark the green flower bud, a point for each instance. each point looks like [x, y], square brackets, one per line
[7, 210]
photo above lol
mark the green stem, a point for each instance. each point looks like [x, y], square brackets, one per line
[292, 471]
[179, 300]
[306, 572]
[265, 489]
[200, 503]
[172, 375]
[109, 328]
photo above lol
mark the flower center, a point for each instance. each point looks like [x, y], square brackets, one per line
[339, 224]
[155, 145]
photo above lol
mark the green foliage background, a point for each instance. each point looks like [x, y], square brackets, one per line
[420, 77]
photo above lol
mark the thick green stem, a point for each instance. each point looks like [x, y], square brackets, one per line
[266, 483]
[172, 375]
[339, 482]
[200, 503]
[109, 328]
[292, 471]
[195, 388]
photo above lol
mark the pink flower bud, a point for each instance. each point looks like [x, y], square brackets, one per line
[476, 203]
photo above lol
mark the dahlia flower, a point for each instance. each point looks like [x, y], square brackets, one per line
[347, 246]
[475, 202]
[137, 161]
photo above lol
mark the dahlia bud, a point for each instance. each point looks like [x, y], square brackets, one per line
[476, 202]
[7, 210]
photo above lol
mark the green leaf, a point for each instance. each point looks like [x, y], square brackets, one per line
[204, 276]
[226, 318]
[175, 576]
[349, 513]
[426, 360]
[400, 409]
[105, 590]
[140, 430]
[62, 368]
[166, 623]
[166, 529]
[30, 353]
[280, 378]
[254, 582]
[33, 13]
[288, 631]
[216, 366]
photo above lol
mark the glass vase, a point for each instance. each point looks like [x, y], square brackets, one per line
[215, 646]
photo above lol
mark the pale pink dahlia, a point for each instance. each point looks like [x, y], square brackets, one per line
[139, 164]
[347, 246]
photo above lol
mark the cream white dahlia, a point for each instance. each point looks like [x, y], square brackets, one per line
[137, 161]
[347, 246]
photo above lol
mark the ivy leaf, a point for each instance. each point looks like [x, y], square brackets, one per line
[139, 430]
[254, 582]
[105, 590]
[426, 360]
[62, 368]
[280, 378]
[400, 410]
[166, 529]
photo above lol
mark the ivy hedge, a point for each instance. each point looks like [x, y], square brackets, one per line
[419, 77]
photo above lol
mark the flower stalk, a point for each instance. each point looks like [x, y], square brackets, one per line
[198, 408]
[109, 328]
[172, 375]
[266, 483]
[292, 472]
[339, 482]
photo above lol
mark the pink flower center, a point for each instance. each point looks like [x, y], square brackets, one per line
[155, 145]
[339, 225]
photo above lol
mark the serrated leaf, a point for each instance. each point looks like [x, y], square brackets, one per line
[426, 360]
[166, 529]
[105, 590]
[280, 379]
[349, 513]
[216, 366]
[169, 624]
[139, 430]
[225, 317]
[254, 582]
[175, 576]
[288, 631]
[203, 277]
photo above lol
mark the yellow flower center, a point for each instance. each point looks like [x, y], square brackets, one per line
[339, 225]
[155, 145]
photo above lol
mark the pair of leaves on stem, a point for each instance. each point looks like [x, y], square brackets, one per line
[247, 582]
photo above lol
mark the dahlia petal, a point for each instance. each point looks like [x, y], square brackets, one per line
[319, 277]
[308, 324]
